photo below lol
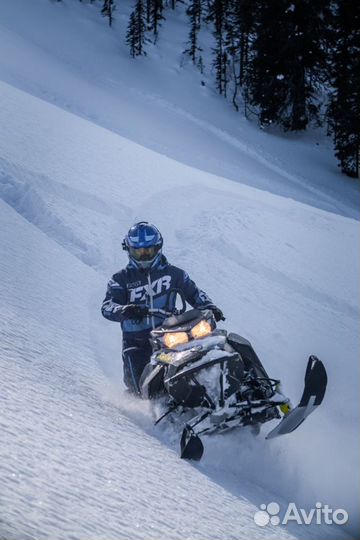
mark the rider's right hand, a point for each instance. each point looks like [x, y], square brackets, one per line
[135, 311]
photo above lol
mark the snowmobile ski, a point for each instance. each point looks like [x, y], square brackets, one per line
[314, 391]
[191, 446]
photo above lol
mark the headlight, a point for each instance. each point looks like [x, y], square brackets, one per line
[172, 339]
[202, 329]
[166, 358]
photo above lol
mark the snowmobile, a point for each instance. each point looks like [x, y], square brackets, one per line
[216, 381]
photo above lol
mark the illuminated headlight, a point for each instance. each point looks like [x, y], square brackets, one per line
[202, 329]
[172, 339]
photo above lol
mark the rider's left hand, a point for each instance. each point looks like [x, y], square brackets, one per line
[218, 314]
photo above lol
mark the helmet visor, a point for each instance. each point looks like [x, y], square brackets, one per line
[145, 253]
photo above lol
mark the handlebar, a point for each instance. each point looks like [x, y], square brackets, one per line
[170, 300]
[158, 311]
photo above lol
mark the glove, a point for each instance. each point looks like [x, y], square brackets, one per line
[218, 314]
[135, 311]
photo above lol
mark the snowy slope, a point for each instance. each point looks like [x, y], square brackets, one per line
[67, 446]
[79, 459]
[65, 53]
[74, 465]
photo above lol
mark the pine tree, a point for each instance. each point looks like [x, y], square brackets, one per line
[156, 16]
[239, 26]
[344, 108]
[287, 61]
[306, 47]
[217, 14]
[194, 14]
[264, 77]
[108, 9]
[148, 14]
[135, 36]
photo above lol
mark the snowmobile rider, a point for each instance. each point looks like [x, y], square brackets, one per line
[144, 283]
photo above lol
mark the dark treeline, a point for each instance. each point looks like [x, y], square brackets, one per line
[289, 63]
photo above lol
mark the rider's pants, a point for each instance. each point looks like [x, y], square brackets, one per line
[136, 354]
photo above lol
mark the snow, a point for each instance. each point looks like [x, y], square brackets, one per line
[90, 141]
[155, 102]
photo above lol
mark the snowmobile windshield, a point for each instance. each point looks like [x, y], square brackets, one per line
[144, 253]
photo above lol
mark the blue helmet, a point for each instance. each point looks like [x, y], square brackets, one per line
[143, 243]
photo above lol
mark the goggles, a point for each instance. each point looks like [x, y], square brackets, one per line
[145, 253]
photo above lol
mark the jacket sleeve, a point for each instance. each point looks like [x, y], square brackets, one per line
[193, 295]
[114, 301]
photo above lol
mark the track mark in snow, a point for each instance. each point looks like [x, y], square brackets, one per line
[27, 202]
[82, 199]
[284, 280]
[257, 154]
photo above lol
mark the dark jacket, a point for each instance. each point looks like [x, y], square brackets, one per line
[135, 286]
